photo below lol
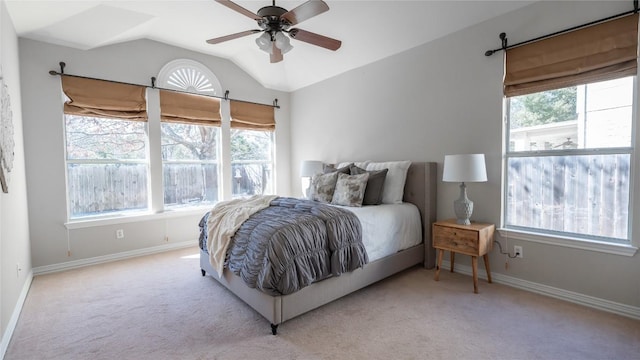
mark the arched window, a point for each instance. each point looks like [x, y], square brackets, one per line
[189, 75]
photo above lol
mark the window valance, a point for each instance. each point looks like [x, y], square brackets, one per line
[600, 52]
[252, 116]
[180, 107]
[99, 98]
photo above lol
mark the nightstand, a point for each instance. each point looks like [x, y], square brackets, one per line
[474, 240]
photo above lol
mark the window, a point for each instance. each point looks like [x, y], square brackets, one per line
[252, 127]
[190, 135]
[113, 150]
[251, 162]
[106, 165]
[568, 160]
[190, 164]
[106, 147]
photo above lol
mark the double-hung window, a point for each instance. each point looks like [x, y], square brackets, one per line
[569, 140]
[190, 126]
[106, 147]
[252, 149]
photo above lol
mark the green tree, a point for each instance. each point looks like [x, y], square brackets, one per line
[543, 108]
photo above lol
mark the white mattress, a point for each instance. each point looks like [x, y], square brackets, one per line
[388, 228]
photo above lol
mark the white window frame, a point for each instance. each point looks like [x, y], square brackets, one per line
[584, 243]
[117, 213]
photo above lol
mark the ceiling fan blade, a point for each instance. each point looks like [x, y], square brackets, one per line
[232, 36]
[315, 39]
[233, 6]
[305, 11]
[276, 54]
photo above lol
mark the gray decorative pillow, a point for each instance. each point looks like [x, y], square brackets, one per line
[375, 184]
[331, 168]
[350, 189]
[323, 186]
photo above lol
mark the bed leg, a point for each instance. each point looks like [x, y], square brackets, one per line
[274, 329]
[203, 272]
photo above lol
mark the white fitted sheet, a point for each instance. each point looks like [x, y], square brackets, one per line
[388, 228]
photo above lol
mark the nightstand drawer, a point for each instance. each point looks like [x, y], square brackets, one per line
[459, 240]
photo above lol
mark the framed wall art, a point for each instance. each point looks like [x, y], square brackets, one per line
[6, 135]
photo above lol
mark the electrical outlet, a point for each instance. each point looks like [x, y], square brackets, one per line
[518, 251]
[120, 234]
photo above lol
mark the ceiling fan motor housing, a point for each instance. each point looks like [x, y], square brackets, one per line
[271, 19]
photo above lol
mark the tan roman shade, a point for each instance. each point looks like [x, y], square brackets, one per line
[99, 98]
[251, 116]
[178, 107]
[600, 52]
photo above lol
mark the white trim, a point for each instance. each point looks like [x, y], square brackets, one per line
[40, 270]
[13, 321]
[570, 296]
[592, 245]
[135, 217]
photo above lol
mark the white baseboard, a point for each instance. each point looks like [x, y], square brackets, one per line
[13, 321]
[40, 270]
[574, 297]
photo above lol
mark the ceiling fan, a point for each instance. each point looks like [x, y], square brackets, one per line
[275, 22]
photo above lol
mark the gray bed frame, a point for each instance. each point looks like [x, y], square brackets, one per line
[420, 189]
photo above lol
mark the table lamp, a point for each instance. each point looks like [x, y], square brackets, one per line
[308, 168]
[464, 168]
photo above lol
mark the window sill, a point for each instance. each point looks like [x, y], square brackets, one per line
[591, 245]
[134, 217]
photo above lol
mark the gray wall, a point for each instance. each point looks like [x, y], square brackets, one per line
[134, 62]
[445, 97]
[14, 224]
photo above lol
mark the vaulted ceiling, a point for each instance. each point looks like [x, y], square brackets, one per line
[369, 30]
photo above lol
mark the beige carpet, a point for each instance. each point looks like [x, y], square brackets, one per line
[160, 307]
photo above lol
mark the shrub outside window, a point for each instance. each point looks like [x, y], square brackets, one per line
[568, 161]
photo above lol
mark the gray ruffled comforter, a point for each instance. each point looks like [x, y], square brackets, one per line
[293, 243]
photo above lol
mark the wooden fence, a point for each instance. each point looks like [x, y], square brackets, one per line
[582, 194]
[96, 189]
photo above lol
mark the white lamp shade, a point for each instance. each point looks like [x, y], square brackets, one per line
[308, 168]
[464, 168]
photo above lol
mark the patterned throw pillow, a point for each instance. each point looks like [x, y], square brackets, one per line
[323, 186]
[350, 189]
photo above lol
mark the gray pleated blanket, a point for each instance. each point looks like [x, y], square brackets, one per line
[293, 243]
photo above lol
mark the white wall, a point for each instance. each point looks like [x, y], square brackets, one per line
[14, 224]
[134, 62]
[445, 97]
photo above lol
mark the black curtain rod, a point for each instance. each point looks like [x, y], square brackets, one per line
[153, 86]
[503, 36]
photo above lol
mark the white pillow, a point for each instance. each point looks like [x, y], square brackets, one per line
[393, 189]
[360, 164]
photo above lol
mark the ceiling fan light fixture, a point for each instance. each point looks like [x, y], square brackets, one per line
[283, 43]
[264, 42]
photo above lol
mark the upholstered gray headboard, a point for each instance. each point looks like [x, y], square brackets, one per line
[420, 189]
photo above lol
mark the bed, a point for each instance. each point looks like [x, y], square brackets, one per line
[419, 189]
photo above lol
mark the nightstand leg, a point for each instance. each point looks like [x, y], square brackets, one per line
[474, 265]
[453, 259]
[438, 264]
[486, 267]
